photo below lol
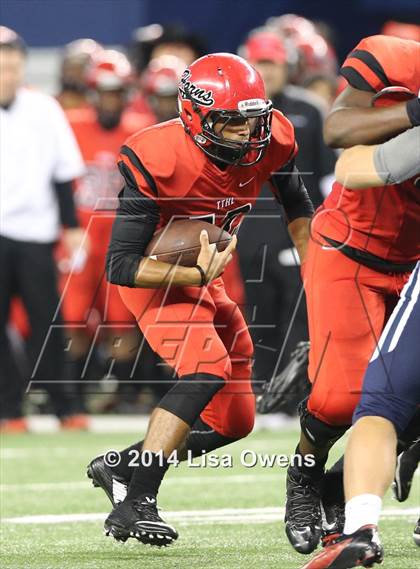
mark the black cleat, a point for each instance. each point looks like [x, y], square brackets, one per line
[139, 519]
[288, 386]
[332, 523]
[416, 533]
[333, 506]
[404, 472]
[360, 549]
[103, 476]
[303, 511]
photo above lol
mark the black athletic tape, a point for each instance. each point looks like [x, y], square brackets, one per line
[190, 395]
[202, 275]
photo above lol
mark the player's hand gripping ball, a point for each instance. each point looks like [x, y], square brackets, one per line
[179, 241]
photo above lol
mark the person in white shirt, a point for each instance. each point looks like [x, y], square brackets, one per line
[39, 160]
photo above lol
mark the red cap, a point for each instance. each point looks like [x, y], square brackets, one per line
[264, 46]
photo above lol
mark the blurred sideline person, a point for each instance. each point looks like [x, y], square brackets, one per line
[269, 262]
[159, 83]
[92, 308]
[76, 58]
[391, 388]
[36, 196]
[154, 41]
[311, 56]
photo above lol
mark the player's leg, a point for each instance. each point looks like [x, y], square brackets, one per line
[231, 412]
[333, 501]
[178, 324]
[390, 396]
[227, 418]
[344, 327]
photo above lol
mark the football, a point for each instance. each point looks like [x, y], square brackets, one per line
[179, 241]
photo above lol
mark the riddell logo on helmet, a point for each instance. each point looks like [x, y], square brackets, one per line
[251, 105]
[188, 90]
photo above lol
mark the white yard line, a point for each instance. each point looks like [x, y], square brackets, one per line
[202, 517]
[193, 481]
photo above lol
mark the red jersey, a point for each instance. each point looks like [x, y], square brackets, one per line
[381, 61]
[169, 168]
[99, 187]
[383, 221]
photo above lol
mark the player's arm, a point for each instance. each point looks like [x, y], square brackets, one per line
[290, 190]
[135, 223]
[352, 120]
[133, 228]
[391, 162]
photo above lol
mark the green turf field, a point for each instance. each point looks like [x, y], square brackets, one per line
[226, 517]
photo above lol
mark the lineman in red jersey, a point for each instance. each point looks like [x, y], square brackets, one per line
[100, 132]
[210, 163]
[361, 251]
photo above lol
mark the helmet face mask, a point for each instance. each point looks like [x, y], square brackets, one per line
[236, 152]
[223, 91]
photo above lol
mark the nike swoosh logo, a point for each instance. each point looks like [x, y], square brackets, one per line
[242, 184]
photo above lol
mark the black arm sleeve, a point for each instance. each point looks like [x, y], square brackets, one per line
[64, 193]
[290, 191]
[135, 222]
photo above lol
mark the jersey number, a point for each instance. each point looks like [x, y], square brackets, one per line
[228, 220]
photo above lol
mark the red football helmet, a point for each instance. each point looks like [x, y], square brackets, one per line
[162, 75]
[222, 88]
[316, 57]
[110, 70]
[291, 26]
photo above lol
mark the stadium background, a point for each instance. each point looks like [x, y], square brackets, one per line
[251, 536]
[56, 22]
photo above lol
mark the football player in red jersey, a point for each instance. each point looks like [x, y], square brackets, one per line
[390, 399]
[360, 255]
[100, 130]
[210, 163]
